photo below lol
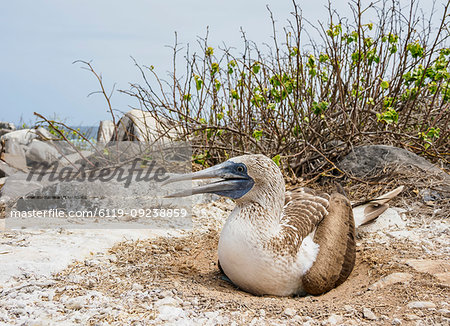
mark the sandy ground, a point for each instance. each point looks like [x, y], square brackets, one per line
[44, 252]
[138, 277]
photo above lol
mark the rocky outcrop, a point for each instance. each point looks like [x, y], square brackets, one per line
[7, 170]
[25, 147]
[105, 131]
[142, 126]
[25, 136]
[6, 127]
[369, 161]
[41, 152]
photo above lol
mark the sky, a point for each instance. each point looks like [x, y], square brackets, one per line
[40, 40]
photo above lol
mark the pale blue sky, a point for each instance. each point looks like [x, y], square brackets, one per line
[40, 40]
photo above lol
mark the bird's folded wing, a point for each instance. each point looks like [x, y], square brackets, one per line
[302, 212]
[335, 236]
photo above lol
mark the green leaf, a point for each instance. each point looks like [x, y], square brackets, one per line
[311, 61]
[294, 52]
[356, 56]
[368, 41]
[415, 49]
[384, 84]
[323, 57]
[276, 159]
[389, 102]
[393, 49]
[217, 84]
[445, 51]
[234, 94]
[334, 30]
[214, 68]
[319, 108]
[257, 134]
[389, 116]
[209, 51]
[198, 82]
[256, 67]
[231, 66]
[393, 38]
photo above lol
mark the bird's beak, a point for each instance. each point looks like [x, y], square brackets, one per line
[230, 184]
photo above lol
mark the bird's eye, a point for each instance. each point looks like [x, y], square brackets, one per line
[240, 168]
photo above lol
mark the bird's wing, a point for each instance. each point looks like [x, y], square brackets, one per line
[335, 236]
[303, 211]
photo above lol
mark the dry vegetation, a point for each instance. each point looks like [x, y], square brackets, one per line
[381, 76]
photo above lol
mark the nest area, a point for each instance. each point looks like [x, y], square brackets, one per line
[186, 267]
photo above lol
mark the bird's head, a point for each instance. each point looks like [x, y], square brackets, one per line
[243, 178]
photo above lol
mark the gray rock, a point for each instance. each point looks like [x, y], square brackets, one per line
[367, 161]
[105, 131]
[135, 201]
[7, 125]
[349, 309]
[421, 305]
[44, 134]
[396, 321]
[7, 170]
[170, 313]
[13, 146]
[75, 303]
[75, 158]
[439, 268]
[142, 126]
[16, 186]
[169, 309]
[370, 160]
[391, 218]
[23, 136]
[290, 312]
[430, 195]
[368, 314]
[391, 279]
[4, 131]
[40, 152]
[334, 320]
[411, 317]
[14, 154]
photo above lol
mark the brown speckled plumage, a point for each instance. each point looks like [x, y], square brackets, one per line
[302, 212]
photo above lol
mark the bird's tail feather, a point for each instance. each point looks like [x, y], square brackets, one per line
[370, 210]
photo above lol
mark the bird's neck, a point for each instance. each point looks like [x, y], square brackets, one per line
[263, 207]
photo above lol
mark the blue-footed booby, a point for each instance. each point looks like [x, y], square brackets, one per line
[277, 242]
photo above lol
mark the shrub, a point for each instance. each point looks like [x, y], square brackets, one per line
[384, 81]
